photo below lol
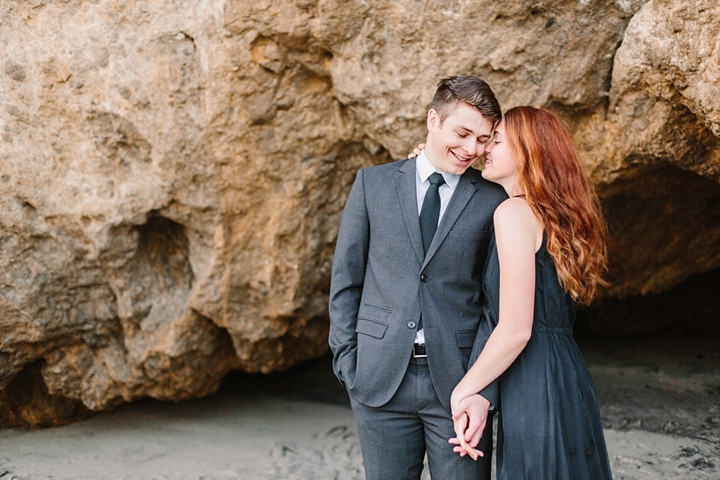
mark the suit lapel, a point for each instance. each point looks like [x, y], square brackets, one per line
[406, 187]
[463, 193]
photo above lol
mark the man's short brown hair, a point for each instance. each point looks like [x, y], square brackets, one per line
[469, 89]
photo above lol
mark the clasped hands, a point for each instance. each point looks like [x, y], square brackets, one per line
[469, 417]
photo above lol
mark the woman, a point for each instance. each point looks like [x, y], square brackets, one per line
[548, 255]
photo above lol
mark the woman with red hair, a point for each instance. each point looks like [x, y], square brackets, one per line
[548, 255]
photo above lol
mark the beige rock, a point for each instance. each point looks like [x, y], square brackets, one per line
[659, 163]
[173, 172]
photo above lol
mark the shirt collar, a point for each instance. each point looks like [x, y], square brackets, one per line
[425, 169]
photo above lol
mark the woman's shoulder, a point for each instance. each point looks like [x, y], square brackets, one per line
[514, 209]
[514, 218]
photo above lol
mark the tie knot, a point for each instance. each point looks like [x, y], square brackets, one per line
[437, 179]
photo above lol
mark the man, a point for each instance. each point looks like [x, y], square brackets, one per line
[406, 292]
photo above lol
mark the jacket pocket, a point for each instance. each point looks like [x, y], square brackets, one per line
[466, 338]
[373, 311]
[371, 327]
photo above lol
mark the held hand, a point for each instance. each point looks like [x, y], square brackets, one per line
[416, 151]
[461, 446]
[460, 423]
[476, 407]
[469, 418]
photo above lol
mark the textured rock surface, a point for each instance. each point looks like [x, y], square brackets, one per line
[657, 153]
[173, 172]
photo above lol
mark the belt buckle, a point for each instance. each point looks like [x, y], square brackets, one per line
[415, 351]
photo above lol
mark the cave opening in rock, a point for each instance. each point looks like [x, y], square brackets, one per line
[25, 402]
[664, 252]
[691, 308]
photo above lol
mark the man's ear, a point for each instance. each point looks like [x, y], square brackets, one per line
[433, 120]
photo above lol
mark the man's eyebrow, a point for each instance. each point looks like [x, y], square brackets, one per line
[469, 130]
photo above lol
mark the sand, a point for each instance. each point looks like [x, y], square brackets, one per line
[661, 411]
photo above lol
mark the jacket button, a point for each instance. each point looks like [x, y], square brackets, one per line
[412, 325]
[423, 278]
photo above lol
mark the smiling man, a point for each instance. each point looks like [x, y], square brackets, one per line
[406, 293]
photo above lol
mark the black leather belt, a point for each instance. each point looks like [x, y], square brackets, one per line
[419, 351]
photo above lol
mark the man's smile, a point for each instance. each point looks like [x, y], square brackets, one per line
[461, 158]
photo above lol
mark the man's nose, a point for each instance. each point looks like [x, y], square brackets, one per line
[470, 146]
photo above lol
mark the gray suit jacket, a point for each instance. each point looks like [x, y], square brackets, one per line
[382, 282]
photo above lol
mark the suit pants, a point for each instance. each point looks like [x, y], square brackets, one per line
[395, 436]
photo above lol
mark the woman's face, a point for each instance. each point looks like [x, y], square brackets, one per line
[500, 164]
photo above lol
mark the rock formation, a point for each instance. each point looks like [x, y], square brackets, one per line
[173, 172]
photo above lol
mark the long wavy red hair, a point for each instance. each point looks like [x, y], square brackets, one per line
[561, 196]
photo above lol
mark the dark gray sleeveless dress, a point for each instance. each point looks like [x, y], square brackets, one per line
[549, 424]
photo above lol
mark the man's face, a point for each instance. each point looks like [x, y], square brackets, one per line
[454, 144]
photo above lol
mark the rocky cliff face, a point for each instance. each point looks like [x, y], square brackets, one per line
[173, 172]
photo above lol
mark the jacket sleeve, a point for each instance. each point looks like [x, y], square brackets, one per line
[346, 285]
[487, 324]
[492, 392]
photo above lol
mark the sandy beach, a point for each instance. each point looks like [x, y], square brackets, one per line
[660, 403]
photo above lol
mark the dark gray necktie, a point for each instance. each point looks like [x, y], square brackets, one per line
[429, 216]
[430, 212]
